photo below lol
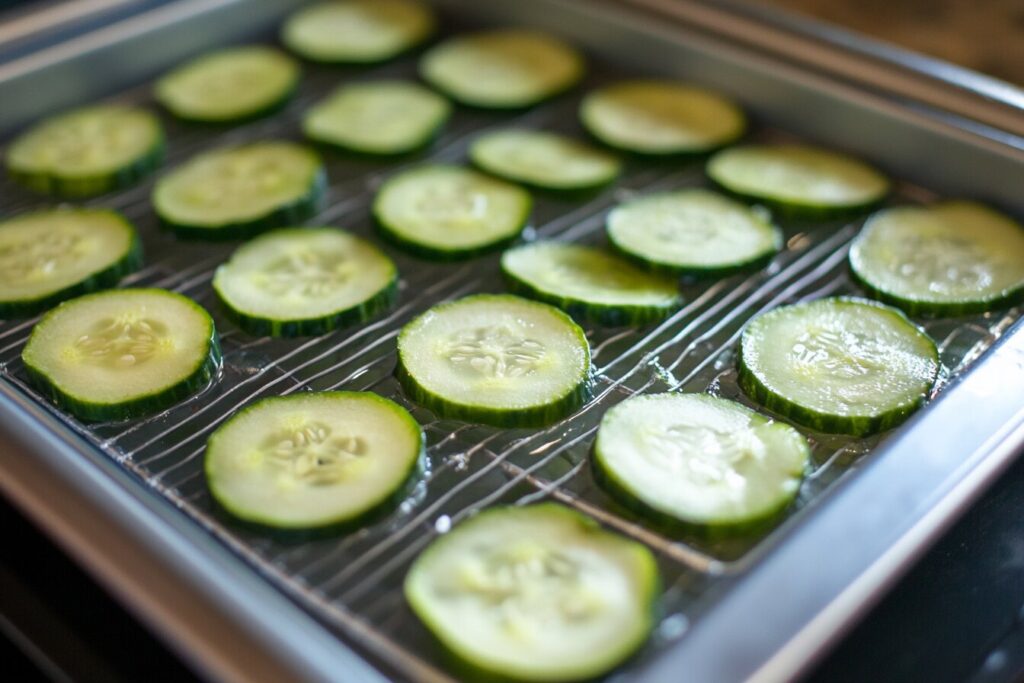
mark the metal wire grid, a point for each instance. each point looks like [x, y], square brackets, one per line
[353, 581]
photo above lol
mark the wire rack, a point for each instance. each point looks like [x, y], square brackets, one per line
[353, 581]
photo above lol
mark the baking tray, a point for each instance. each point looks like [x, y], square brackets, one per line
[762, 607]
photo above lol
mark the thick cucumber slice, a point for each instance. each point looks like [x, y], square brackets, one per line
[122, 354]
[589, 284]
[798, 181]
[449, 212]
[537, 593]
[661, 118]
[692, 232]
[707, 462]
[310, 461]
[239, 191]
[497, 359]
[378, 117]
[305, 281]
[235, 84]
[87, 151]
[357, 31]
[953, 258]
[505, 69]
[545, 161]
[49, 256]
[839, 365]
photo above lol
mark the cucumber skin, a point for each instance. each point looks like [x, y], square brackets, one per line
[797, 211]
[699, 273]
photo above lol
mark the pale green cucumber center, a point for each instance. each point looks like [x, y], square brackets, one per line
[358, 30]
[544, 159]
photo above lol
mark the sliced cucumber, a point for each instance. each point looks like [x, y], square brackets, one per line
[504, 69]
[692, 232]
[449, 212]
[240, 191]
[543, 160]
[309, 461]
[537, 593]
[234, 84]
[707, 462]
[87, 151]
[122, 354]
[378, 117]
[497, 359]
[49, 256]
[357, 31]
[305, 281]
[953, 258]
[798, 181]
[588, 283]
[839, 365]
[661, 118]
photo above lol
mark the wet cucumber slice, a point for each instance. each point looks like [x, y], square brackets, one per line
[237, 192]
[589, 284]
[313, 461]
[661, 118]
[839, 365]
[88, 151]
[49, 256]
[543, 160]
[497, 359]
[450, 212]
[692, 232]
[235, 84]
[536, 593]
[504, 69]
[305, 281]
[798, 181]
[699, 460]
[122, 354]
[357, 31]
[950, 259]
[378, 118]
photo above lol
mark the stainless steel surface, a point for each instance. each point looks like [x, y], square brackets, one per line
[761, 607]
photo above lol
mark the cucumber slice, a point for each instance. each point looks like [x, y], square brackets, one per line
[449, 212]
[378, 118]
[230, 85]
[237, 192]
[589, 284]
[305, 281]
[839, 365]
[497, 359]
[537, 593]
[545, 161]
[87, 151]
[310, 461]
[357, 31]
[798, 181]
[707, 462]
[692, 232]
[953, 258]
[661, 118]
[504, 69]
[122, 354]
[49, 256]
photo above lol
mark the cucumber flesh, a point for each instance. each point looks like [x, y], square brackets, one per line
[302, 281]
[311, 461]
[953, 258]
[49, 256]
[692, 232]
[537, 593]
[497, 359]
[661, 118]
[123, 353]
[700, 460]
[544, 160]
[588, 283]
[839, 365]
